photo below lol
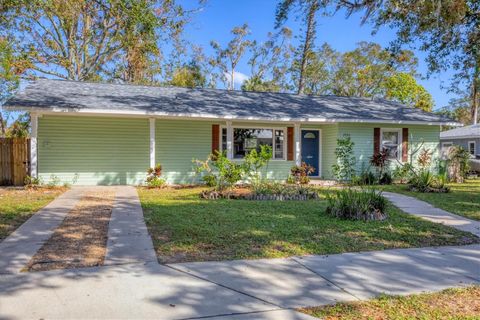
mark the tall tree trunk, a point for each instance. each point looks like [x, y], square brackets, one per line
[476, 93]
[308, 45]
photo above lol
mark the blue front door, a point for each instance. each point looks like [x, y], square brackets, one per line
[310, 150]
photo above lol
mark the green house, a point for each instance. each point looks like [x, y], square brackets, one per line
[105, 133]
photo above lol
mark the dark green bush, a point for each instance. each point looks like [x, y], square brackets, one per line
[363, 204]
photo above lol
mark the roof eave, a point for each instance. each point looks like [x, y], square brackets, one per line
[89, 111]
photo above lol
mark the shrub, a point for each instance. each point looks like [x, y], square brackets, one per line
[367, 177]
[219, 171]
[254, 161]
[344, 169]
[286, 191]
[403, 172]
[154, 179]
[425, 181]
[381, 163]
[364, 204]
[458, 164]
[300, 174]
[31, 182]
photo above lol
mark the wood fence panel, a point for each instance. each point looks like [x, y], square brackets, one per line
[14, 160]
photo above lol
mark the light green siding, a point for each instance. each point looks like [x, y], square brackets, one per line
[178, 142]
[420, 136]
[100, 150]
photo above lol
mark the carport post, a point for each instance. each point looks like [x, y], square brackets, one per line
[152, 142]
[296, 134]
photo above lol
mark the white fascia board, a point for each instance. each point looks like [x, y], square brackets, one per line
[205, 116]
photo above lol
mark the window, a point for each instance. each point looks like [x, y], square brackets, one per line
[471, 147]
[446, 149]
[390, 141]
[247, 139]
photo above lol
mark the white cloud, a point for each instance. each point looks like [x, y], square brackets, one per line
[239, 78]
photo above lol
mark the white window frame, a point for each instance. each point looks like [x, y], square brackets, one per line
[284, 129]
[444, 153]
[400, 141]
[474, 147]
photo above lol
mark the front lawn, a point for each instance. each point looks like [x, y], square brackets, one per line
[187, 228]
[448, 304]
[17, 205]
[463, 198]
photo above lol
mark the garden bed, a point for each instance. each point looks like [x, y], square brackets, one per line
[80, 241]
[269, 192]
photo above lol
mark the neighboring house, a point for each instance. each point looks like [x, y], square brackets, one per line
[111, 133]
[467, 137]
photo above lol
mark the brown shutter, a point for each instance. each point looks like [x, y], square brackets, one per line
[405, 144]
[215, 138]
[290, 151]
[376, 140]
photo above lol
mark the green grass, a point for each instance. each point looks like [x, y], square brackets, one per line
[463, 199]
[187, 228]
[448, 304]
[17, 205]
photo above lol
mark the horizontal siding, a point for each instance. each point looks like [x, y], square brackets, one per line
[463, 142]
[100, 150]
[420, 136]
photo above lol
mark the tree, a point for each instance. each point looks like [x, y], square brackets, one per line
[227, 59]
[90, 40]
[403, 87]
[458, 109]
[363, 71]
[11, 67]
[269, 63]
[448, 30]
[189, 76]
[308, 11]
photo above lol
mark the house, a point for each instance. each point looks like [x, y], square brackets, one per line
[104, 133]
[468, 137]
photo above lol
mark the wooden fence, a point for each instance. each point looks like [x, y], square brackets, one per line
[14, 160]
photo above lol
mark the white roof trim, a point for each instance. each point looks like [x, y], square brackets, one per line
[89, 111]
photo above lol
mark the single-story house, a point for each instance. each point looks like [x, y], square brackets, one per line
[468, 137]
[106, 133]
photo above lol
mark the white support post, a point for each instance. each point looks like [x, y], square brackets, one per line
[229, 140]
[33, 145]
[152, 142]
[297, 134]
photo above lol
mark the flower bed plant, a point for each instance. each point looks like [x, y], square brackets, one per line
[354, 204]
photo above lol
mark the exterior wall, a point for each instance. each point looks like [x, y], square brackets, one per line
[464, 143]
[420, 136]
[100, 150]
[115, 150]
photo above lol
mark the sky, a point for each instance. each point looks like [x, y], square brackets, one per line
[218, 17]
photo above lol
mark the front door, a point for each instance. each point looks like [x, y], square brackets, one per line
[310, 149]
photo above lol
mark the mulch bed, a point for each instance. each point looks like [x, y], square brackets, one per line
[81, 239]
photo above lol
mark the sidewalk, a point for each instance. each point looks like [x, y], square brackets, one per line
[426, 211]
[248, 289]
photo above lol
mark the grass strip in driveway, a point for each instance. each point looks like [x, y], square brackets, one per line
[17, 205]
[448, 304]
[186, 228]
[463, 198]
[80, 241]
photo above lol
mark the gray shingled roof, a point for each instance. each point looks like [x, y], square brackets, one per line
[472, 131]
[44, 94]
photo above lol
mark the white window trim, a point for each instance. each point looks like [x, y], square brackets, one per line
[474, 147]
[284, 129]
[400, 141]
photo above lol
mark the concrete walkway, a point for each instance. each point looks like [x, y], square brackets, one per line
[128, 237]
[427, 211]
[21, 245]
[246, 289]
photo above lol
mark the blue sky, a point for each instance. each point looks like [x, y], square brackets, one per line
[218, 17]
